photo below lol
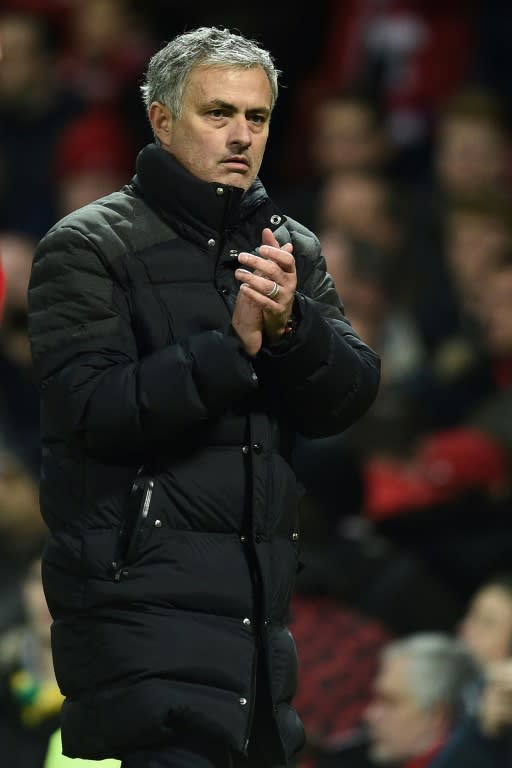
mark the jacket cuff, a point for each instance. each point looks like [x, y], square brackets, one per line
[302, 352]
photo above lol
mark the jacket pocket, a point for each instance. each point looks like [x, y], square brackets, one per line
[136, 523]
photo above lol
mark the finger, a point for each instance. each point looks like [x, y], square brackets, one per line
[263, 301]
[264, 285]
[270, 257]
[269, 240]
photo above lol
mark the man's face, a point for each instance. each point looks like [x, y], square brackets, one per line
[24, 63]
[223, 128]
[345, 138]
[476, 243]
[496, 312]
[470, 156]
[399, 728]
[487, 626]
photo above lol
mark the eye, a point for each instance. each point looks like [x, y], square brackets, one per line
[217, 113]
[258, 119]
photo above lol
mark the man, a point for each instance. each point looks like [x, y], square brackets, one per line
[182, 330]
[419, 695]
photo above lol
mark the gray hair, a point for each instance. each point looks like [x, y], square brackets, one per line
[169, 68]
[440, 668]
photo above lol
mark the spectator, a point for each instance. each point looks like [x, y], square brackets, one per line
[338, 651]
[363, 205]
[412, 54]
[495, 716]
[107, 50]
[484, 736]
[34, 107]
[348, 136]
[419, 696]
[469, 163]
[462, 472]
[486, 628]
[93, 159]
[477, 238]
[19, 398]
[367, 276]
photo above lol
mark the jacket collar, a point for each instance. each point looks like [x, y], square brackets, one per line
[188, 203]
[425, 760]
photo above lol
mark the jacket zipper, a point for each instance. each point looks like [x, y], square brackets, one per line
[253, 698]
[147, 499]
[137, 529]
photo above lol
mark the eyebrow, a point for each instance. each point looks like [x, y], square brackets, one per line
[219, 104]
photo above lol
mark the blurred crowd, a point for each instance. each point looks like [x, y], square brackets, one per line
[392, 141]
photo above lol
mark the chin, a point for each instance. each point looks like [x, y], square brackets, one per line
[380, 755]
[241, 183]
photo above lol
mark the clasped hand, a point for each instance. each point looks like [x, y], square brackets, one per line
[267, 291]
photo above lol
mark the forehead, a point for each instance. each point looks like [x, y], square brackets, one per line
[392, 679]
[494, 598]
[462, 128]
[229, 85]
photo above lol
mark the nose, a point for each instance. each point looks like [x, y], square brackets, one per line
[240, 135]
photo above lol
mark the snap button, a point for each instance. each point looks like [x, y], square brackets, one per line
[223, 290]
[211, 243]
[247, 622]
[243, 539]
[158, 523]
[254, 376]
[275, 219]
[243, 701]
[257, 447]
[219, 191]
[267, 622]
[245, 449]
[257, 539]
[295, 536]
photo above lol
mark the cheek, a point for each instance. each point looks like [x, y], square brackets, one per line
[500, 644]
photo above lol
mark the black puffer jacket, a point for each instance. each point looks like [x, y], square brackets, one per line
[142, 378]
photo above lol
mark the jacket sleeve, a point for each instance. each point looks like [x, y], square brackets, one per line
[94, 387]
[327, 376]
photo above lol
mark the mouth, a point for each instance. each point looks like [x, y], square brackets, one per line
[237, 163]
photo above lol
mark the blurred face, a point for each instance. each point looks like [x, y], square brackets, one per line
[345, 138]
[23, 61]
[496, 312]
[356, 204]
[487, 627]
[477, 242]
[100, 25]
[223, 129]
[363, 297]
[399, 728]
[471, 156]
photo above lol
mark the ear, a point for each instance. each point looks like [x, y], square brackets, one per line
[160, 118]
